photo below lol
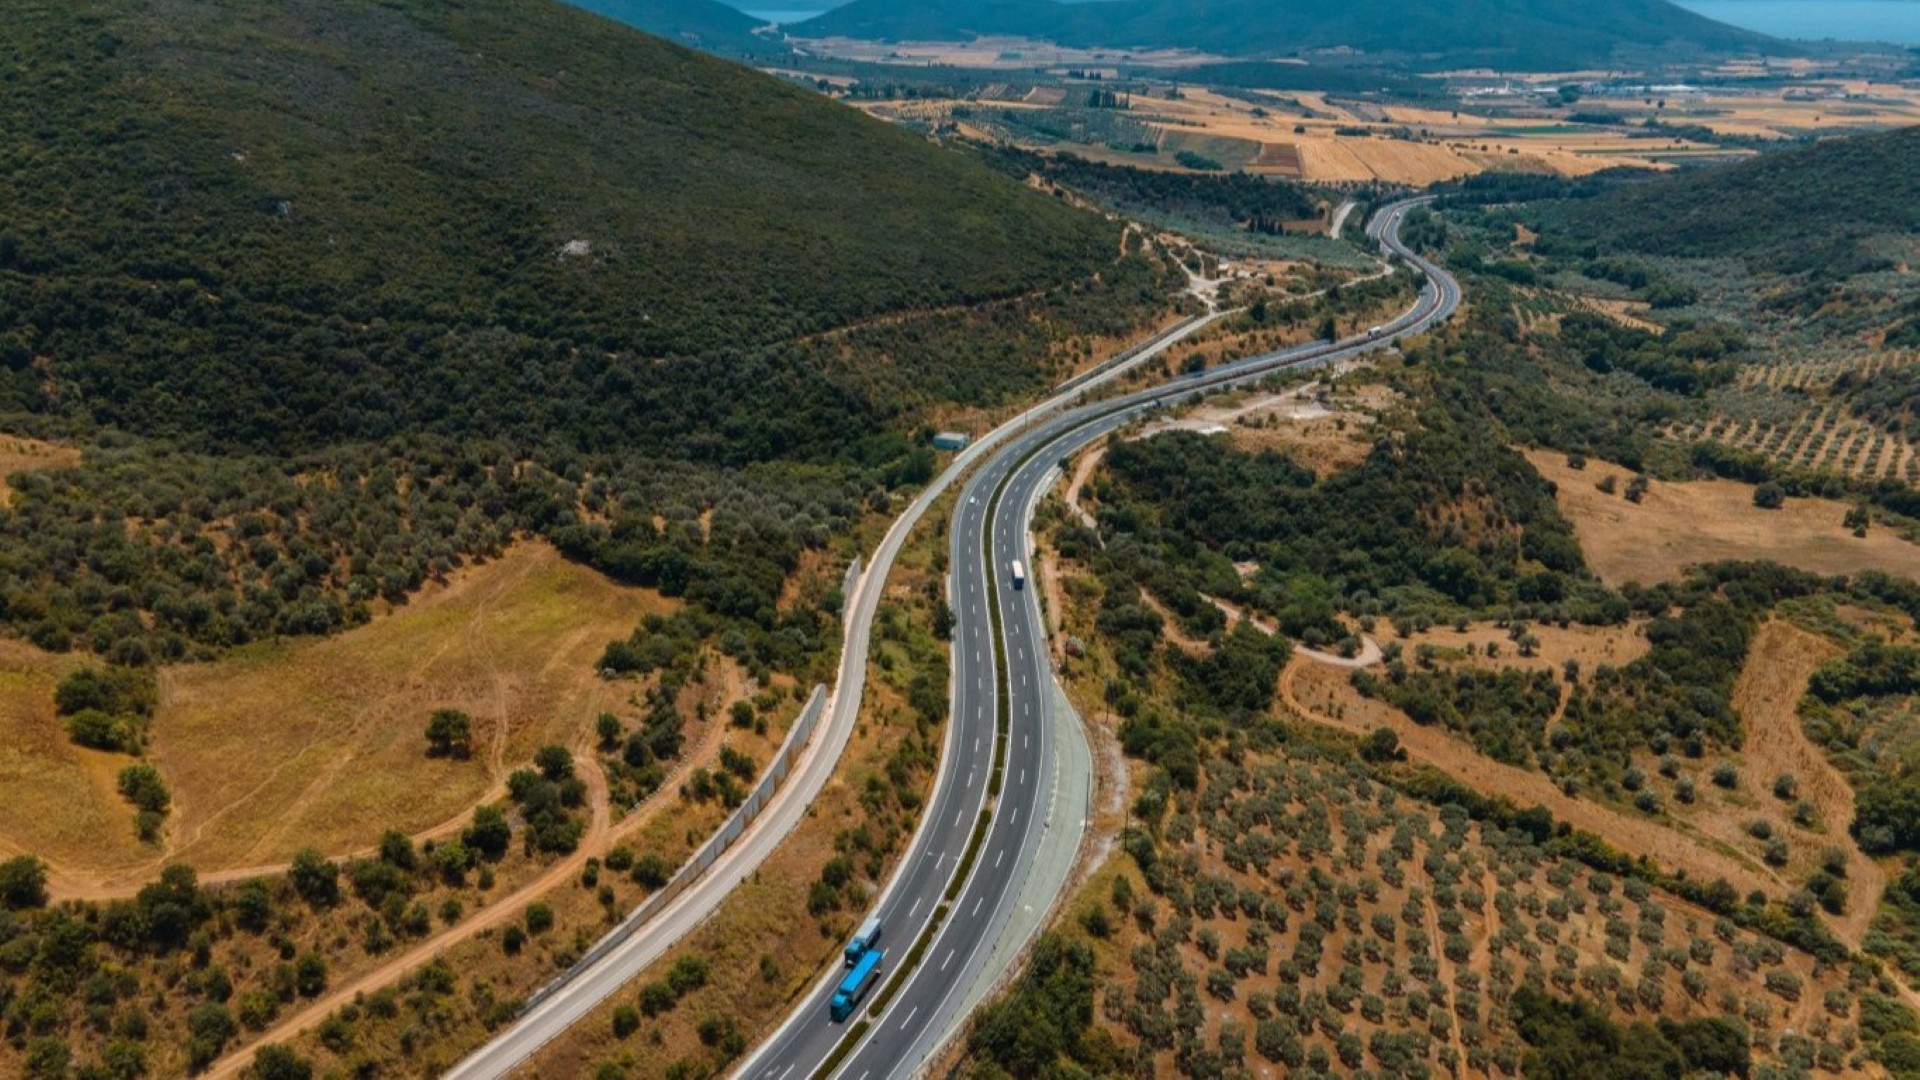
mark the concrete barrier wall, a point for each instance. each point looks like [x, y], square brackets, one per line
[736, 824]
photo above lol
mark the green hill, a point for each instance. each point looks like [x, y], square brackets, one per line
[1513, 34]
[1800, 209]
[279, 225]
[338, 294]
[699, 24]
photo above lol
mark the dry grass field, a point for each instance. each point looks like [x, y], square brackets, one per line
[1767, 697]
[320, 743]
[1682, 524]
[18, 455]
[61, 801]
[300, 744]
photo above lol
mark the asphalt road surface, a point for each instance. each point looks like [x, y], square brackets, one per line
[989, 532]
[586, 989]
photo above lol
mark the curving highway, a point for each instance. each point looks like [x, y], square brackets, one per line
[1002, 705]
[580, 992]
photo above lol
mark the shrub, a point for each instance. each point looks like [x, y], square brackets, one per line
[316, 879]
[23, 882]
[539, 918]
[626, 1020]
[449, 733]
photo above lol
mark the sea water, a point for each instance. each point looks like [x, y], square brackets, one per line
[1894, 21]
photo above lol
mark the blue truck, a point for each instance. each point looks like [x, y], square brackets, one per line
[868, 936]
[855, 986]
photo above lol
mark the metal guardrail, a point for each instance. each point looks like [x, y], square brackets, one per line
[1130, 353]
[777, 771]
[848, 584]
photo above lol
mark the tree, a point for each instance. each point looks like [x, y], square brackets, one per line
[1887, 815]
[1857, 519]
[1382, 744]
[310, 974]
[554, 762]
[211, 1026]
[141, 785]
[279, 1063]
[607, 727]
[1769, 496]
[315, 878]
[449, 734]
[489, 834]
[23, 882]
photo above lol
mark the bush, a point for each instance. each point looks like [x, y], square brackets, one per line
[275, 1062]
[96, 730]
[1887, 815]
[626, 1020]
[310, 975]
[539, 918]
[142, 786]
[449, 733]
[23, 882]
[316, 879]
[651, 871]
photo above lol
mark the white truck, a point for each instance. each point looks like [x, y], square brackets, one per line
[1019, 575]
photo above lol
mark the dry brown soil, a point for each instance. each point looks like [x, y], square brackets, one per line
[1683, 524]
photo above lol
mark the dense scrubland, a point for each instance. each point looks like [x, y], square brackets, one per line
[322, 361]
[1272, 830]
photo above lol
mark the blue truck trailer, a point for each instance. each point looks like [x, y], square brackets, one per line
[855, 986]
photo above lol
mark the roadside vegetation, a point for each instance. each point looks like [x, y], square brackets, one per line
[767, 944]
[1208, 944]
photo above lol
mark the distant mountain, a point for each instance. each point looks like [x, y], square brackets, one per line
[1801, 209]
[1538, 35]
[700, 24]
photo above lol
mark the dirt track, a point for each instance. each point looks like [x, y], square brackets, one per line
[601, 834]
[1767, 697]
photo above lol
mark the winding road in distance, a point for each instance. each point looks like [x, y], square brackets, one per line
[993, 619]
